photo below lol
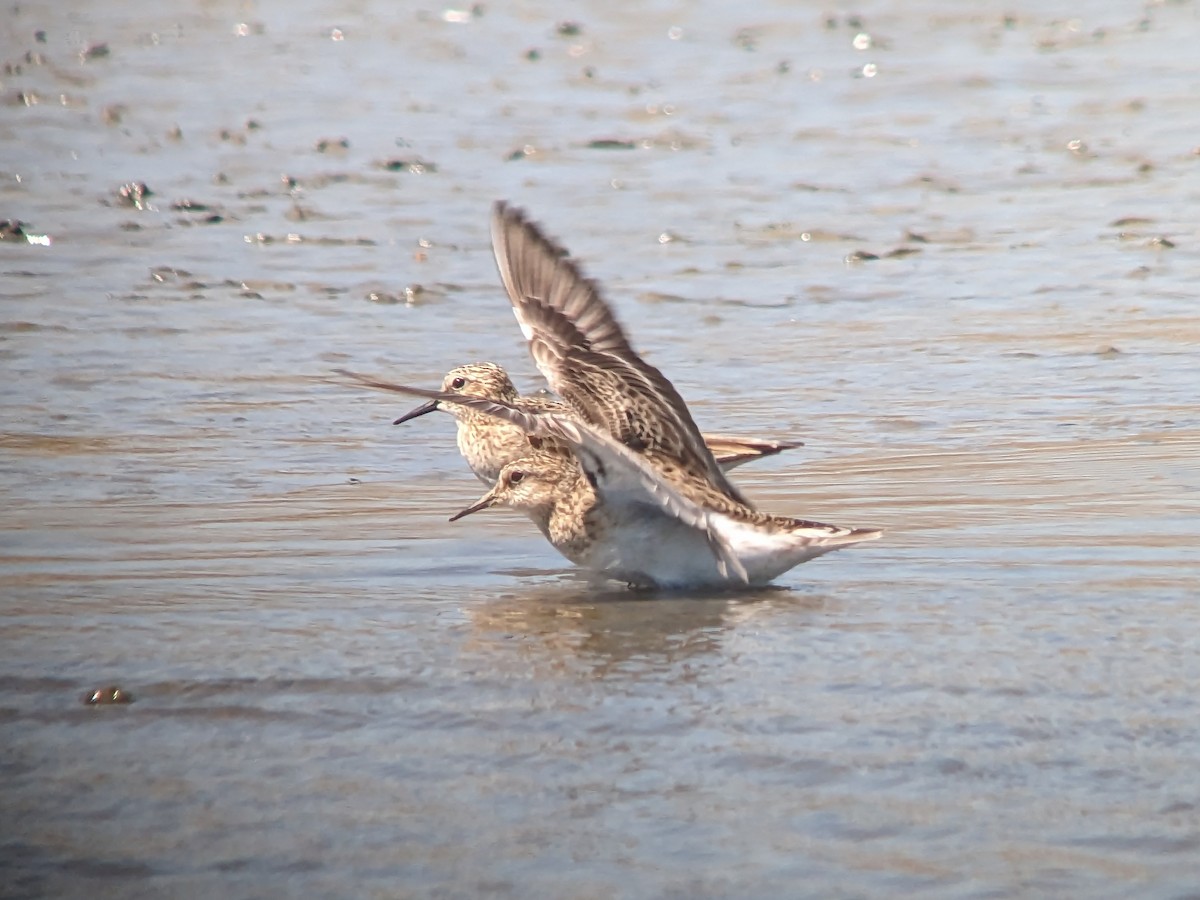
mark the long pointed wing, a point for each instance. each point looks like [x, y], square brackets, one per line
[732, 450]
[611, 466]
[585, 356]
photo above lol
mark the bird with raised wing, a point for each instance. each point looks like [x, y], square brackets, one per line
[488, 443]
[621, 482]
[612, 511]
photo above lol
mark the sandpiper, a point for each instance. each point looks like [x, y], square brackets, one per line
[488, 443]
[630, 525]
[624, 484]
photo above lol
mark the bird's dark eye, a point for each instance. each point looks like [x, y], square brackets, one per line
[515, 477]
[458, 383]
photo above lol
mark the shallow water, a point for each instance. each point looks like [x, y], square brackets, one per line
[338, 693]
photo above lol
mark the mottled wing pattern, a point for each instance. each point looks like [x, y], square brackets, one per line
[582, 351]
[541, 403]
[537, 271]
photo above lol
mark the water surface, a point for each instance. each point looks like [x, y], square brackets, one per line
[338, 693]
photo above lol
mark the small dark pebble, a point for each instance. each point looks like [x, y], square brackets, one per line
[190, 206]
[22, 98]
[412, 294]
[11, 229]
[211, 219]
[861, 256]
[747, 39]
[533, 54]
[134, 194]
[106, 695]
[95, 51]
[325, 145]
[901, 252]
[610, 144]
[569, 29]
[169, 273]
[40, 37]
[415, 166]
[1165, 243]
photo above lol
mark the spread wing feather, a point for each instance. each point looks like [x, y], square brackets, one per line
[585, 356]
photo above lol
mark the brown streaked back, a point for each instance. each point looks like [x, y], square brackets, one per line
[585, 356]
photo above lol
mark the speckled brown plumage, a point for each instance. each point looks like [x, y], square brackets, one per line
[585, 356]
[487, 443]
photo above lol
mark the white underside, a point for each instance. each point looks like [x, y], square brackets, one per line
[656, 549]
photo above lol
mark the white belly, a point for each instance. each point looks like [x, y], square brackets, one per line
[655, 550]
[660, 550]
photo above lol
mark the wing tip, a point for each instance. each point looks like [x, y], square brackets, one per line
[859, 535]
